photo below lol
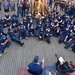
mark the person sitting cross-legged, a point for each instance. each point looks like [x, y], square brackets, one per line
[14, 37]
[4, 42]
[41, 35]
[36, 67]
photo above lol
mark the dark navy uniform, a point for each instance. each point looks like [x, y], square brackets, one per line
[14, 37]
[5, 43]
[31, 31]
[3, 22]
[7, 18]
[48, 35]
[41, 35]
[68, 40]
[14, 19]
[19, 9]
[22, 32]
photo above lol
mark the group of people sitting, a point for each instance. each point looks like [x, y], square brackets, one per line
[54, 24]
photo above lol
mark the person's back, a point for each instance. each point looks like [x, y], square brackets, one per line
[35, 67]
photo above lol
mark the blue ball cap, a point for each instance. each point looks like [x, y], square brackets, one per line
[3, 36]
[36, 58]
[41, 28]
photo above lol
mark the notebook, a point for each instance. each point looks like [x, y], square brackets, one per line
[61, 59]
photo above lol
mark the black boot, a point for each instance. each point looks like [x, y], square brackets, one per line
[66, 47]
[60, 41]
[22, 44]
[48, 41]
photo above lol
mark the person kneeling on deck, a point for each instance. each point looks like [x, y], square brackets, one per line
[36, 67]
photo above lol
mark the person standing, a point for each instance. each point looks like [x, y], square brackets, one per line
[19, 9]
[12, 5]
[6, 6]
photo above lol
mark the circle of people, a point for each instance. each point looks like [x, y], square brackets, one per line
[54, 24]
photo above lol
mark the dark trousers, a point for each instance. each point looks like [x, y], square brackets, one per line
[73, 48]
[16, 40]
[68, 44]
[19, 12]
[1, 49]
[23, 12]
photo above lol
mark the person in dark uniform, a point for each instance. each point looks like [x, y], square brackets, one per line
[12, 5]
[69, 40]
[40, 20]
[41, 35]
[31, 31]
[19, 9]
[48, 35]
[14, 19]
[3, 22]
[14, 37]
[22, 32]
[7, 18]
[29, 17]
[20, 23]
[61, 36]
[36, 67]
[1, 44]
[14, 22]
[39, 25]
[14, 25]
[46, 22]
